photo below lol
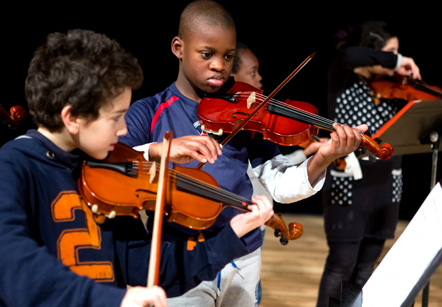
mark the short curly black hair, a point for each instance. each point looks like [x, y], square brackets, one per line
[81, 68]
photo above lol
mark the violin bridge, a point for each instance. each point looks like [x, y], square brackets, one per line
[251, 100]
[152, 172]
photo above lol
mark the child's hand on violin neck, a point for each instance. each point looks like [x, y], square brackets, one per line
[259, 213]
[343, 141]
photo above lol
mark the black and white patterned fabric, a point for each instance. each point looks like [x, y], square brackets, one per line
[368, 206]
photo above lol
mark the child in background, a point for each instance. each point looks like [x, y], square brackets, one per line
[246, 69]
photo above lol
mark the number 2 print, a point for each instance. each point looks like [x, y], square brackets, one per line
[72, 240]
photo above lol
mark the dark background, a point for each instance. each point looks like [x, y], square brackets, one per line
[281, 33]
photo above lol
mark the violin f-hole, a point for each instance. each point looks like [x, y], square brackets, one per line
[235, 115]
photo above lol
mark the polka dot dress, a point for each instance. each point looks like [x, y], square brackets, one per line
[397, 186]
[341, 190]
[355, 106]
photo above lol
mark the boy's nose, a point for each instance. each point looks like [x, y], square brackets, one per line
[218, 65]
[123, 130]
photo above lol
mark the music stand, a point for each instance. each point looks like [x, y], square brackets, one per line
[415, 129]
[407, 131]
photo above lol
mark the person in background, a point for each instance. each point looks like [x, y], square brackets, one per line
[361, 203]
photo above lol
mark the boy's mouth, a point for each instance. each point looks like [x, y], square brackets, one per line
[216, 81]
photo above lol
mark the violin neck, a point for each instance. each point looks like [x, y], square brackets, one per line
[212, 192]
[282, 109]
[417, 84]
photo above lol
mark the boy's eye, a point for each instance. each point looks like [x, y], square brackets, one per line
[229, 57]
[206, 55]
[117, 118]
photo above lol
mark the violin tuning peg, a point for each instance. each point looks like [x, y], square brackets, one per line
[277, 232]
[372, 158]
[112, 214]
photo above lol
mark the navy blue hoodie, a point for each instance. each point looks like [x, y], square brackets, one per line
[54, 254]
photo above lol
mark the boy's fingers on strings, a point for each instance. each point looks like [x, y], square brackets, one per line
[348, 138]
[263, 207]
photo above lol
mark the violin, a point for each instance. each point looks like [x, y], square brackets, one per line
[14, 117]
[125, 183]
[287, 123]
[403, 88]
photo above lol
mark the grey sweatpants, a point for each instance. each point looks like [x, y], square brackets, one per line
[237, 287]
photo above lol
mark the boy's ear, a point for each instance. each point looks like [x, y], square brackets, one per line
[177, 47]
[70, 122]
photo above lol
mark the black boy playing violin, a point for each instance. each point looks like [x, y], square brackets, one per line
[205, 47]
[361, 203]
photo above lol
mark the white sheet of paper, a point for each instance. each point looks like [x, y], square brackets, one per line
[406, 261]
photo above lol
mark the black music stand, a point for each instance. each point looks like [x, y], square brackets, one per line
[407, 132]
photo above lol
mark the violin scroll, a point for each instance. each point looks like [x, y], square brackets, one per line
[386, 152]
[383, 152]
[292, 232]
[18, 114]
[15, 117]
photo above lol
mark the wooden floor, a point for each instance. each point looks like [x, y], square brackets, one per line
[290, 274]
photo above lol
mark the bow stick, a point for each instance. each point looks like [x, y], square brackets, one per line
[154, 261]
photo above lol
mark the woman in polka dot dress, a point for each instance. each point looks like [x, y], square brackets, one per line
[361, 203]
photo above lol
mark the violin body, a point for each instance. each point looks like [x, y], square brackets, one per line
[223, 114]
[127, 194]
[403, 88]
[125, 183]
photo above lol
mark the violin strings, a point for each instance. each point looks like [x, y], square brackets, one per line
[209, 189]
[297, 112]
[212, 189]
[312, 118]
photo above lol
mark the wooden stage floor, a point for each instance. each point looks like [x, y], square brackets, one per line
[290, 274]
